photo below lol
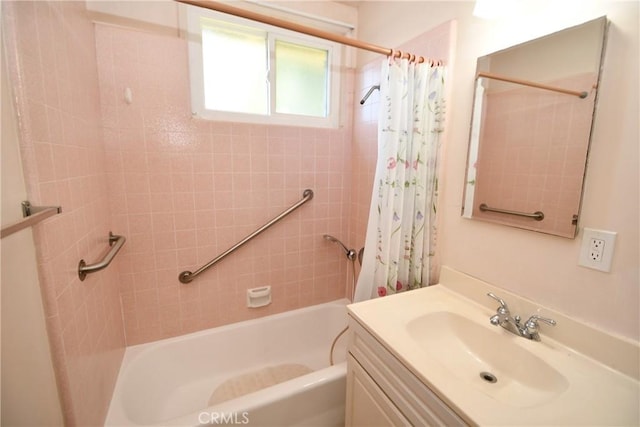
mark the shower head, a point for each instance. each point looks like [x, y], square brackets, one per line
[350, 253]
[334, 240]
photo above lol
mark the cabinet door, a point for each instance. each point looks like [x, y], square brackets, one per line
[418, 404]
[367, 405]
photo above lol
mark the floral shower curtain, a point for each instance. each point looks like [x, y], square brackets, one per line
[401, 232]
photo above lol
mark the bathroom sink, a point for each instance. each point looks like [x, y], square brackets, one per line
[489, 360]
[575, 375]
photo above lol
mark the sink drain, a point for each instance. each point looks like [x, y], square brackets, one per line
[488, 377]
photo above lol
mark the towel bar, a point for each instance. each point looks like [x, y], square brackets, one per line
[31, 216]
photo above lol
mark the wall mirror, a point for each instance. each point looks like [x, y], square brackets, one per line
[530, 129]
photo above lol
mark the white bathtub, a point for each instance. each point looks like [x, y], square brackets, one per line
[169, 382]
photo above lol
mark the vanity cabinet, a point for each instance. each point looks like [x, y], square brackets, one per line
[367, 405]
[428, 358]
[381, 391]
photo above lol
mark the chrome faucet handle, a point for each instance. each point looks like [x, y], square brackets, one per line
[503, 305]
[533, 321]
[531, 326]
[502, 315]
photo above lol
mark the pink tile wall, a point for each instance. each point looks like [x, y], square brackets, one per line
[51, 51]
[184, 190]
[365, 150]
[433, 44]
[537, 140]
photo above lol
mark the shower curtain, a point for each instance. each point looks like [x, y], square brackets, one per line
[400, 237]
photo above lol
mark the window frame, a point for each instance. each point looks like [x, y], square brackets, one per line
[195, 56]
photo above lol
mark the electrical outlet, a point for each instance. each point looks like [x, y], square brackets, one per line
[597, 249]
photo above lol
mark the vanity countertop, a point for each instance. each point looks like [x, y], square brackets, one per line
[576, 374]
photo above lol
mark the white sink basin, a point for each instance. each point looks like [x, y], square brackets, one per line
[487, 359]
[442, 335]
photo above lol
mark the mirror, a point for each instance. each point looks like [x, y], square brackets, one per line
[530, 130]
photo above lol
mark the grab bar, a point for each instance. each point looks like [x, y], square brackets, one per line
[32, 215]
[116, 243]
[537, 215]
[188, 276]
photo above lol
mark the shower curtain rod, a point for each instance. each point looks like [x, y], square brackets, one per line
[493, 76]
[277, 22]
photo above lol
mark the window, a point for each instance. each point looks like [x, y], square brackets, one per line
[246, 71]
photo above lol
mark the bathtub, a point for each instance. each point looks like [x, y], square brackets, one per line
[170, 382]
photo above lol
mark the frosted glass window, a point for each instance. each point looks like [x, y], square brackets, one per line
[234, 62]
[301, 79]
[246, 71]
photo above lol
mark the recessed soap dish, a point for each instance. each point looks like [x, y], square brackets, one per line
[259, 297]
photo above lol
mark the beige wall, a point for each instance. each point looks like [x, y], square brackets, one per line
[541, 267]
[29, 394]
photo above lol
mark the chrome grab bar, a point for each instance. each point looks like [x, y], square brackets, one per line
[188, 276]
[116, 243]
[537, 215]
[32, 215]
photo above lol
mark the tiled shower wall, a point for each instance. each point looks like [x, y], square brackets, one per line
[51, 57]
[184, 190]
[181, 190]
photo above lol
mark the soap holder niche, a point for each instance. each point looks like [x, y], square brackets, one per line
[259, 297]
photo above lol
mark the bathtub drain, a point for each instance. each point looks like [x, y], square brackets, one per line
[488, 377]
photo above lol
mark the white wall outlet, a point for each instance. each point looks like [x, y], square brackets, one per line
[597, 249]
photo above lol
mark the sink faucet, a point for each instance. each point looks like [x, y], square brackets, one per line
[502, 313]
[527, 330]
